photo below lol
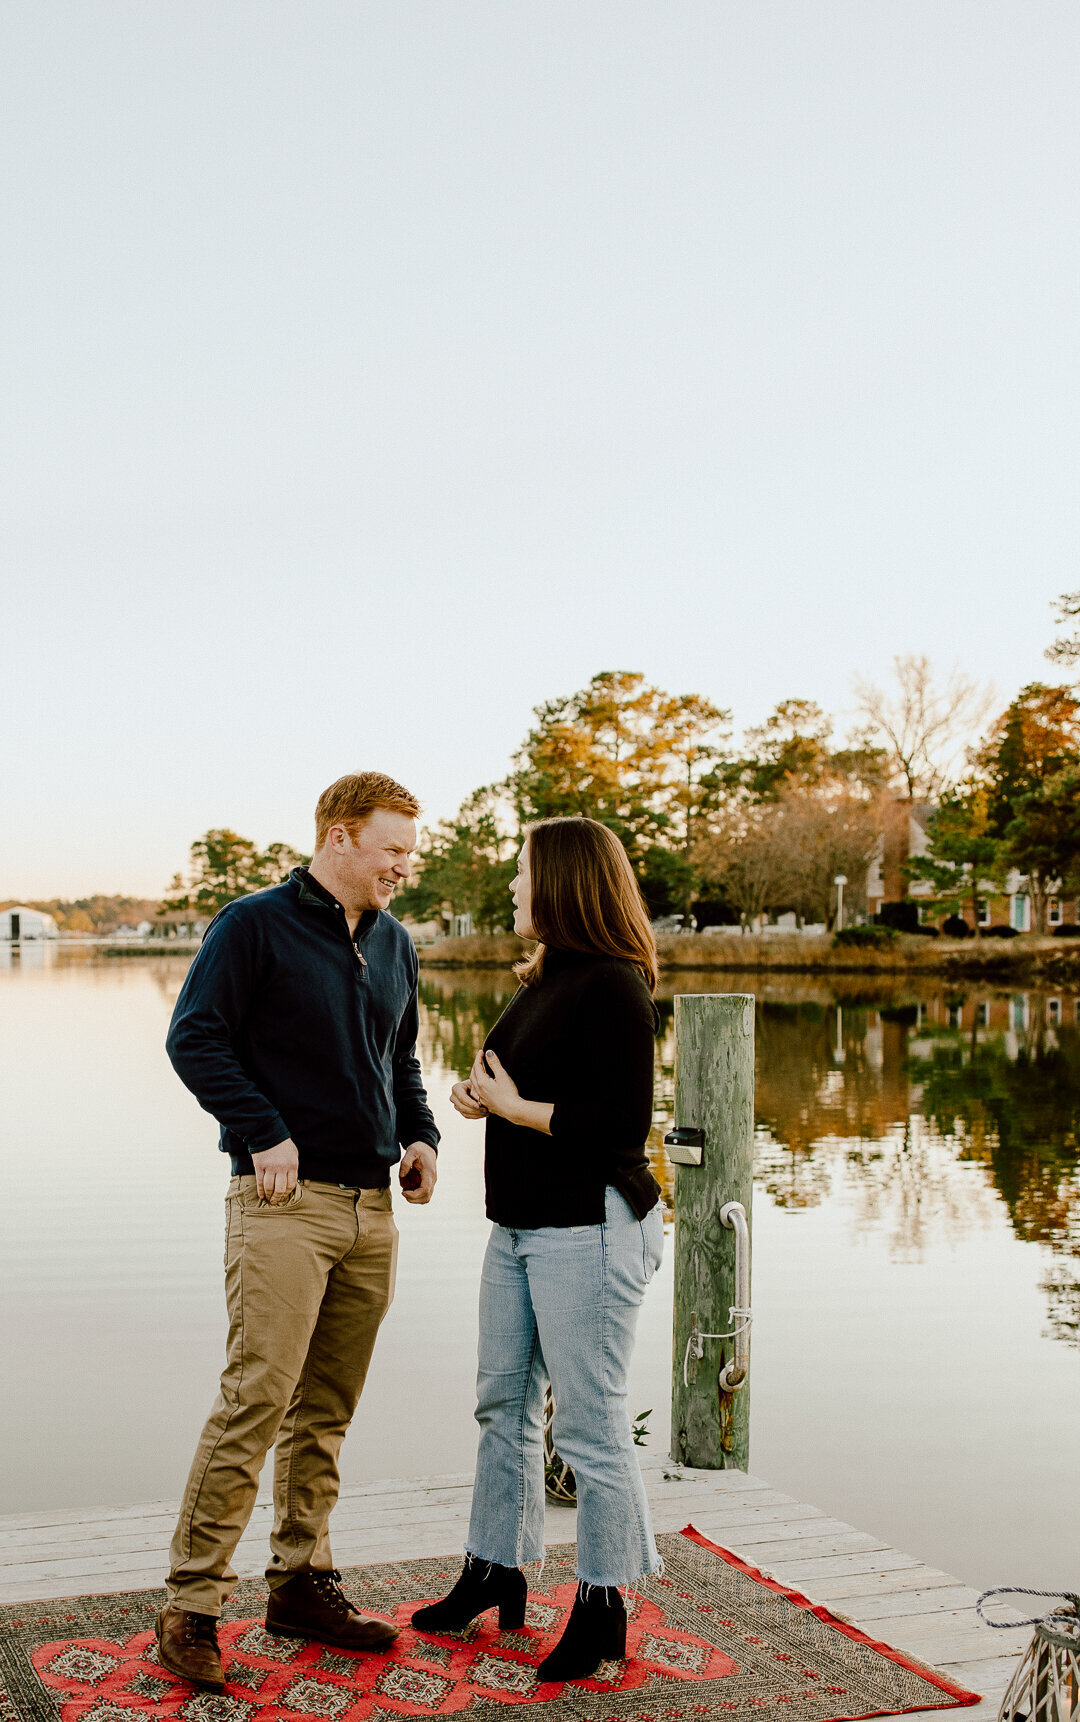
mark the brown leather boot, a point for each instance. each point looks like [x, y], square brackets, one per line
[188, 1646]
[313, 1605]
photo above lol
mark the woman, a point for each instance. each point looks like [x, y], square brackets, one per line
[565, 1083]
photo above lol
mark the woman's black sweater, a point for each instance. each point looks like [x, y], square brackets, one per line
[583, 1037]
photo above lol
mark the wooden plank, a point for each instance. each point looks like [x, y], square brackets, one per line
[803, 1551]
[802, 1571]
[723, 1483]
[985, 1711]
[714, 1091]
[857, 1587]
[918, 1623]
[950, 1645]
[900, 1605]
[694, 1491]
[170, 1508]
[113, 1533]
[812, 1528]
[85, 1515]
[983, 1675]
[152, 1532]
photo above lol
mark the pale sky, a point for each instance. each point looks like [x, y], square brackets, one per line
[373, 372]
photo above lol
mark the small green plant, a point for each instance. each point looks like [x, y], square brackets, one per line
[866, 938]
[641, 1427]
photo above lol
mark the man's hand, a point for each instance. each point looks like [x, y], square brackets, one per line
[424, 1159]
[275, 1171]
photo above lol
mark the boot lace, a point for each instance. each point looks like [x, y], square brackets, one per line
[329, 1588]
[199, 1628]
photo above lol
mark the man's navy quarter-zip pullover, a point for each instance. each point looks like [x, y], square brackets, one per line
[288, 1026]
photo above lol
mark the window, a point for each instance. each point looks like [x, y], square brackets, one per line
[1053, 912]
[1053, 1012]
[956, 1016]
[984, 911]
[982, 1014]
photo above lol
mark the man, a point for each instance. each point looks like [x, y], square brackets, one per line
[296, 1027]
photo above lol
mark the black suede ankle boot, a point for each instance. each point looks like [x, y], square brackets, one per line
[595, 1633]
[482, 1585]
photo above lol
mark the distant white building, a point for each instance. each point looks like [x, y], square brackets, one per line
[18, 923]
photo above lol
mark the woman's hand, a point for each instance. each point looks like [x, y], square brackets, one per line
[491, 1089]
[463, 1100]
[493, 1086]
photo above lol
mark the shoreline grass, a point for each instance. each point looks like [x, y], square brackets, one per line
[1042, 958]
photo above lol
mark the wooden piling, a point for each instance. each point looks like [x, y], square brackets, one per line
[714, 1090]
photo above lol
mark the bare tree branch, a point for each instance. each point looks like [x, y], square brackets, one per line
[927, 728]
[785, 854]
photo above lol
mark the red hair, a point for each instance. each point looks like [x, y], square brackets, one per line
[349, 801]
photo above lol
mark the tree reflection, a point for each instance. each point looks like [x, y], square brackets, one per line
[457, 1008]
[913, 1106]
[916, 1106]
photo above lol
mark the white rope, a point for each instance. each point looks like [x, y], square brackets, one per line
[742, 1318]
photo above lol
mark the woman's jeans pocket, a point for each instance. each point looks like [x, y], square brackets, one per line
[652, 1241]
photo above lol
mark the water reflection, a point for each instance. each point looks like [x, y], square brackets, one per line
[917, 1178]
[933, 1103]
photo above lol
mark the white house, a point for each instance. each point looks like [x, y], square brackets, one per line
[20, 923]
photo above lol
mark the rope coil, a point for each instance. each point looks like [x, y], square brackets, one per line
[1053, 1616]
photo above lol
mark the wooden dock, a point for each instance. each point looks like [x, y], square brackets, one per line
[890, 1595]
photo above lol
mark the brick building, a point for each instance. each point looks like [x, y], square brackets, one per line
[904, 836]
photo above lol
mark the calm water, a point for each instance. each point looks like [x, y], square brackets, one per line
[916, 1363]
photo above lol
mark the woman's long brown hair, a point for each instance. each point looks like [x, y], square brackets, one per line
[585, 897]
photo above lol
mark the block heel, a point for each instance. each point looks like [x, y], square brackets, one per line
[482, 1585]
[595, 1633]
[512, 1612]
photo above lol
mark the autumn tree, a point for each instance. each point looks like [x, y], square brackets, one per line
[785, 854]
[1042, 840]
[1066, 650]
[1035, 741]
[743, 861]
[645, 762]
[824, 833]
[690, 740]
[223, 866]
[790, 748]
[1036, 736]
[468, 863]
[793, 749]
[591, 754]
[962, 852]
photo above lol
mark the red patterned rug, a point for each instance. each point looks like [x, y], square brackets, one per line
[711, 1638]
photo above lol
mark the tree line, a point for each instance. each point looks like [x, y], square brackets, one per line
[99, 913]
[723, 833]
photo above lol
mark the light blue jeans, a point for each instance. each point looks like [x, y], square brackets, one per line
[561, 1303]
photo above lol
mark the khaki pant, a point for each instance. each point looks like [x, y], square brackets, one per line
[307, 1285]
